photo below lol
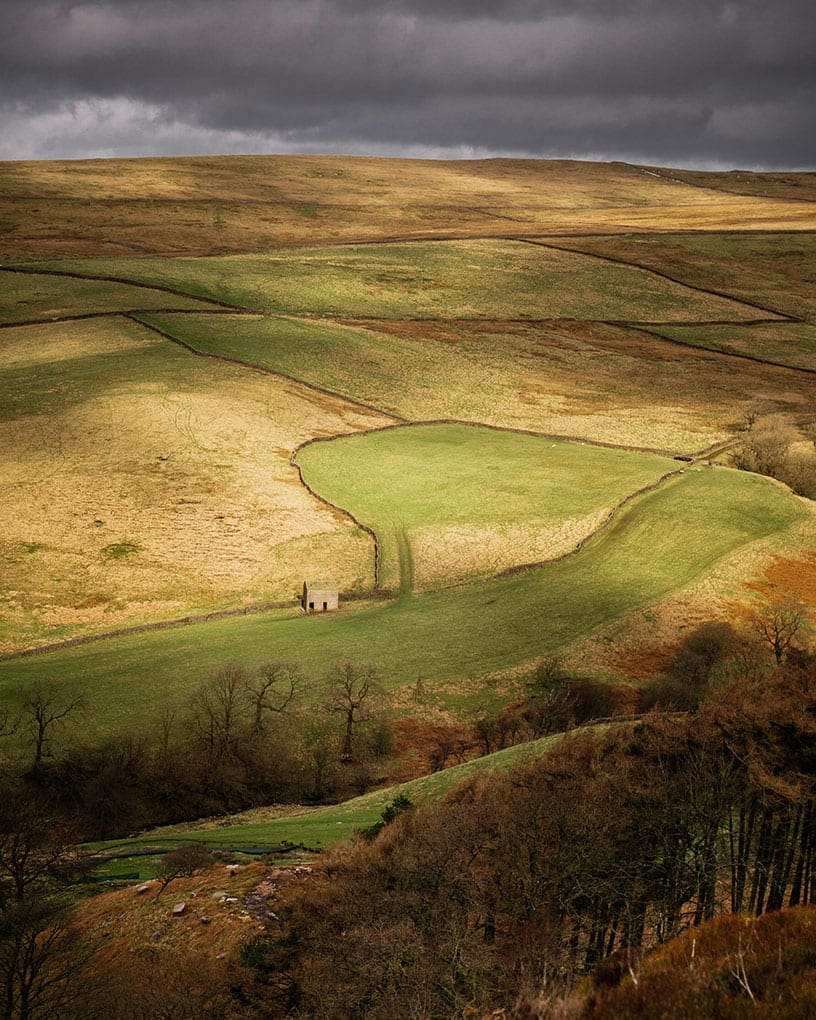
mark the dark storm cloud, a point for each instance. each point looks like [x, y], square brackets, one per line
[693, 83]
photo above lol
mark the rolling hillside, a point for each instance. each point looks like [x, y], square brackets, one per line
[169, 346]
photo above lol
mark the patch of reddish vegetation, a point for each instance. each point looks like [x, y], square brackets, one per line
[627, 699]
[790, 580]
[641, 664]
[417, 740]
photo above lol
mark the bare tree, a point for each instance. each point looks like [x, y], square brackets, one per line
[219, 709]
[8, 722]
[41, 958]
[270, 690]
[779, 626]
[186, 860]
[42, 712]
[352, 688]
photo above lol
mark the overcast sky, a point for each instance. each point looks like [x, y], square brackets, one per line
[677, 82]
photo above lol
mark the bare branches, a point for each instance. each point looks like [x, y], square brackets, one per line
[779, 627]
[236, 701]
[43, 711]
[352, 688]
[271, 690]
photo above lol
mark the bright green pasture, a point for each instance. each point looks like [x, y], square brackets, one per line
[661, 542]
[25, 296]
[431, 480]
[783, 343]
[446, 280]
[323, 826]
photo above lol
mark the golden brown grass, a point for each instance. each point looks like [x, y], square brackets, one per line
[591, 380]
[244, 203]
[147, 481]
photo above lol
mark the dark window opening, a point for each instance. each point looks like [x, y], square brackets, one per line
[325, 606]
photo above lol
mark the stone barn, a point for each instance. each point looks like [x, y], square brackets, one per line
[320, 597]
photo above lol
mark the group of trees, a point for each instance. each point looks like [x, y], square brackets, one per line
[517, 883]
[700, 798]
[773, 446]
[556, 699]
[245, 737]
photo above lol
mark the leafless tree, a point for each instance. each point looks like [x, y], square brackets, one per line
[8, 722]
[43, 711]
[219, 708]
[41, 958]
[352, 688]
[270, 690]
[779, 626]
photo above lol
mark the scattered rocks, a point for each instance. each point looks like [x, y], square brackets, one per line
[179, 909]
[206, 920]
[156, 936]
[142, 889]
[220, 894]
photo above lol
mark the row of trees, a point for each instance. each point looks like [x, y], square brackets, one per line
[245, 737]
[252, 736]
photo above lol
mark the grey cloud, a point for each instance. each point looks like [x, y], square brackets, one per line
[698, 82]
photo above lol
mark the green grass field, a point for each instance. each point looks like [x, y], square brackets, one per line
[321, 827]
[449, 280]
[142, 483]
[776, 270]
[25, 296]
[791, 343]
[455, 639]
[451, 501]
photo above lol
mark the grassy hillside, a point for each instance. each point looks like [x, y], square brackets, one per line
[34, 296]
[451, 501]
[140, 482]
[459, 637]
[321, 827]
[242, 203]
[145, 483]
[596, 381]
[771, 269]
[493, 279]
[792, 344]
